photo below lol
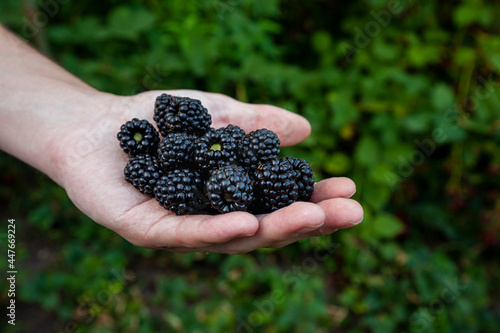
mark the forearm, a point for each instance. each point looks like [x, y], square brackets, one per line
[37, 99]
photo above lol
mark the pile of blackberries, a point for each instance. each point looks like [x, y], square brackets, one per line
[196, 169]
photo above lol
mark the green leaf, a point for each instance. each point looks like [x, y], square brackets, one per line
[128, 23]
[379, 172]
[385, 51]
[450, 131]
[468, 14]
[338, 164]
[367, 151]
[42, 216]
[464, 15]
[442, 96]
[387, 226]
[321, 41]
[343, 109]
[464, 56]
[377, 196]
[417, 122]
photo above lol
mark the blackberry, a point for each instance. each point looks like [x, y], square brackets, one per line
[138, 137]
[176, 150]
[235, 131]
[258, 147]
[143, 171]
[181, 191]
[181, 114]
[230, 189]
[215, 148]
[304, 177]
[275, 186]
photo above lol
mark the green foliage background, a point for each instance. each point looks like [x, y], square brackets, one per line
[403, 97]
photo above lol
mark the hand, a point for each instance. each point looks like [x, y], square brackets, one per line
[90, 167]
[73, 131]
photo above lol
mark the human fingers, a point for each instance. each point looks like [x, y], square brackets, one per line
[150, 226]
[279, 227]
[338, 187]
[340, 213]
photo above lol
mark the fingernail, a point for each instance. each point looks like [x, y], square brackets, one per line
[356, 223]
[353, 193]
[308, 229]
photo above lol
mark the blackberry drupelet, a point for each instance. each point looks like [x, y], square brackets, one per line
[176, 150]
[230, 189]
[138, 137]
[215, 148]
[258, 147]
[274, 185]
[304, 177]
[181, 191]
[181, 114]
[143, 172]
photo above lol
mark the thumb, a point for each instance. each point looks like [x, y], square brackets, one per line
[291, 128]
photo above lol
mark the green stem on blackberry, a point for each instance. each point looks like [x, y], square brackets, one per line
[137, 137]
[216, 146]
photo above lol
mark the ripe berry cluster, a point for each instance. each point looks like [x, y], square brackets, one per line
[194, 168]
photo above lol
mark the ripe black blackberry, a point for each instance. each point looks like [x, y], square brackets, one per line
[215, 148]
[274, 185]
[181, 191]
[258, 147]
[176, 150]
[235, 131]
[304, 177]
[181, 114]
[138, 137]
[230, 189]
[143, 172]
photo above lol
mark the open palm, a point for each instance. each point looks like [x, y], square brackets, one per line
[91, 167]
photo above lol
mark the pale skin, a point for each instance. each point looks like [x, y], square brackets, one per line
[58, 124]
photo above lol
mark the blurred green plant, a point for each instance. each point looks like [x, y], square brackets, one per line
[403, 97]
